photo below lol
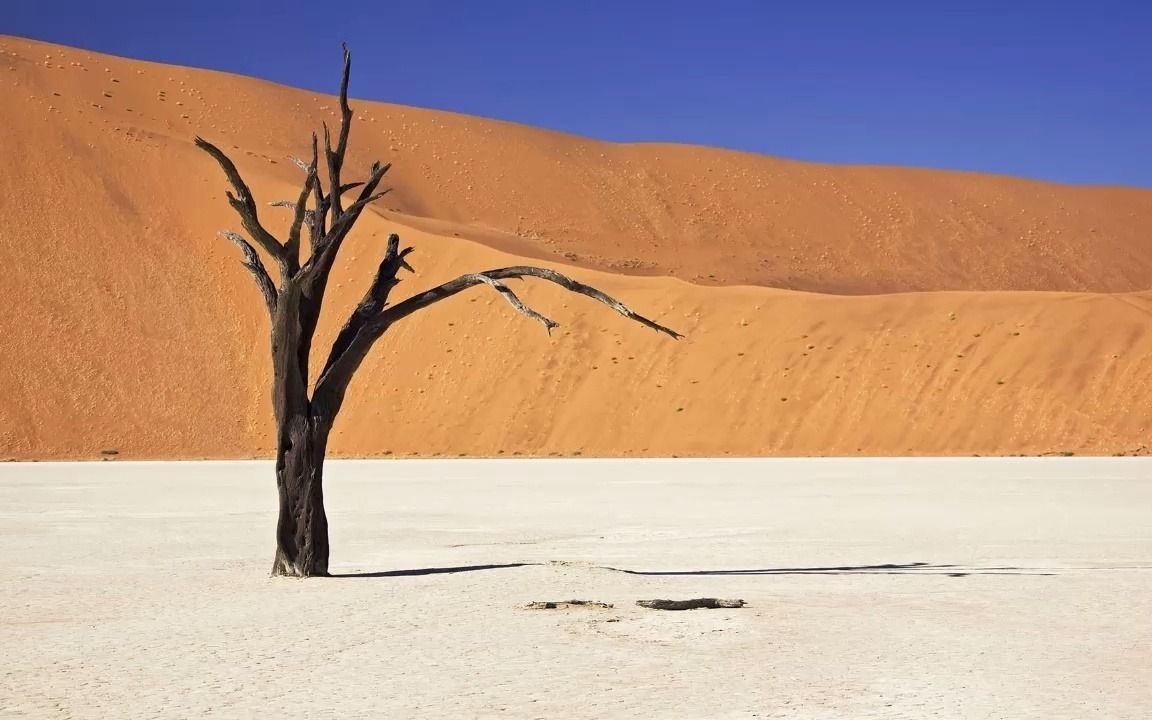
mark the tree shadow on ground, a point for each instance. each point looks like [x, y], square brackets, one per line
[429, 571]
[916, 568]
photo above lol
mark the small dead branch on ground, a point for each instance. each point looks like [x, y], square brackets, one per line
[693, 604]
[560, 604]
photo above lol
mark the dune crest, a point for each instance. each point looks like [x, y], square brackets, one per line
[829, 309]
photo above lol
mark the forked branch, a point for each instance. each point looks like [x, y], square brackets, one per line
[512, 299]
[360, 334]
[315, 271]
[318, 227]
[375, 298]
[335, 156]
[450, 288]
[316, 217]
[300, 211]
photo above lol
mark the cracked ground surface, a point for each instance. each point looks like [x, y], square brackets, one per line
[907, 588]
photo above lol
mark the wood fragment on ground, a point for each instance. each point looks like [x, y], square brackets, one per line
[693, 604]
[558, 604]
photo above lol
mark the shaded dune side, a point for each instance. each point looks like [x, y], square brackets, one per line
[131, 326]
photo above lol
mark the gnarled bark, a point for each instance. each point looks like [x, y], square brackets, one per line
[302, 528]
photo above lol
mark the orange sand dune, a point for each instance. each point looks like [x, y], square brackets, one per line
[967, 315]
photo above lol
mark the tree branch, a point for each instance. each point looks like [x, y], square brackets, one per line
[693, 604]
[315, 218]
[245, 206]
[358, 340]
[259, 273]
[450, 288]
[335, 157]
[312, 278]
[515, 301]
[352, 214]
[374, 300]
[324, 255]
[317, 228]
[292, 246]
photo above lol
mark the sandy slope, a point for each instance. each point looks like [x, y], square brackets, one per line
[129, 325]
[899, 589]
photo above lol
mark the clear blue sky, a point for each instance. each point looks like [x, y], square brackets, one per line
[1054, 90]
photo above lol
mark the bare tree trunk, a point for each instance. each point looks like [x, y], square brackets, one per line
[302, 529]
[302, 440]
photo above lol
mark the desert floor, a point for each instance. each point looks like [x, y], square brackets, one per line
[910, 588]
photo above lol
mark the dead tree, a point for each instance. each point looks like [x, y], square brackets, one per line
[303, 421]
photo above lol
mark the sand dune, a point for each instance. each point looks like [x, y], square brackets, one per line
[829, 309]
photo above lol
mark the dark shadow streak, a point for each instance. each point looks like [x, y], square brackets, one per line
[918, 568]
[429, 571]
